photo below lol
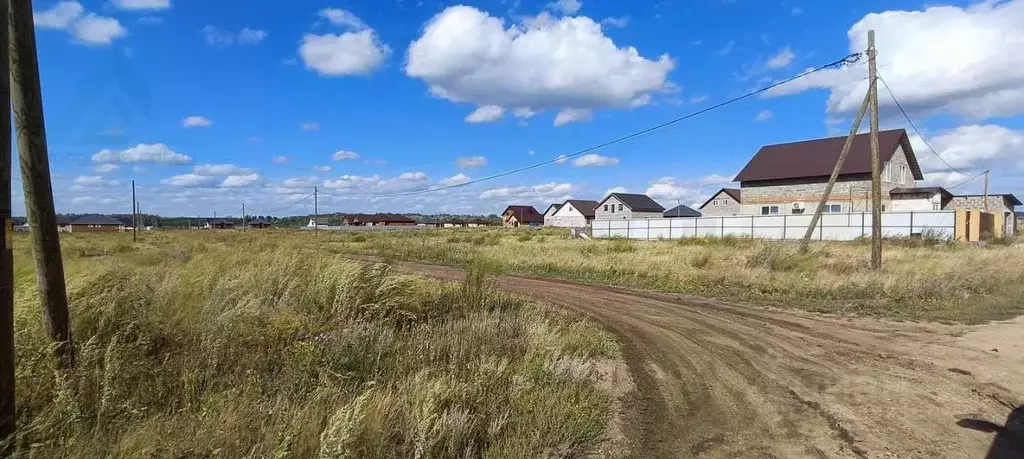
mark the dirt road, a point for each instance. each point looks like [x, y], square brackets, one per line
[717, 380]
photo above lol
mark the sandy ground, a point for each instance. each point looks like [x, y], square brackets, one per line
[711, 379]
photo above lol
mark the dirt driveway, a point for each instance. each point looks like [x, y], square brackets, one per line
[717, 380]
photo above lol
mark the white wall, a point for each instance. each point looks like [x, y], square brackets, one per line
[567, 217]
[833, 227]
[915, 203]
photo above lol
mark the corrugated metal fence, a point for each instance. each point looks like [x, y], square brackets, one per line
[831, 227]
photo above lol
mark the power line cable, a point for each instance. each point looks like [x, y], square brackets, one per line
[293, 204]
[852, 58]
[965, 181]
[914, 126]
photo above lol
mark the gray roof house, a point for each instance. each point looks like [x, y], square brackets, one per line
[573, 213]
[625, 206]
[681, 211]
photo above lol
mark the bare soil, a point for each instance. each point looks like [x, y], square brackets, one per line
[712, 379]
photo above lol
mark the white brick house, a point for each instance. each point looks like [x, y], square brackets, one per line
[574, 213]
[790, 178]
[723, 203]
[627, 206]
[549, 214]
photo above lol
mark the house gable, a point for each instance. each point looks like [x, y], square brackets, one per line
[731, 194]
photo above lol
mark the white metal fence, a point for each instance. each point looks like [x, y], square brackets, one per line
[831, 227]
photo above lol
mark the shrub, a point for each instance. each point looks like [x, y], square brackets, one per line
[622, 246]
[775, 257]
[701, 259]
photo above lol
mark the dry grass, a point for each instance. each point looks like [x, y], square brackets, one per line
[922, 279]
[260, 345]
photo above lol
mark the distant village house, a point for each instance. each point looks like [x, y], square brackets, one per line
[573, 213]
[378, 220]
[516, 216]
[96, 224]
[628, 206]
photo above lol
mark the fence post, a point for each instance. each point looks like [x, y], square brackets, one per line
[628, 235]
[751, 226]
[784, 235]
[862, 224]
[648, 229]
[911, 223]
[821, 229]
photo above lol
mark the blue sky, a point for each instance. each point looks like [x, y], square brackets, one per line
[207, 105]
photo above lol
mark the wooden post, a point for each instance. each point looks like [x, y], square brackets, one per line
[7, 396]
[876, 181]
[27, 98]
[135, 216]
[835, 172]
[986, 191]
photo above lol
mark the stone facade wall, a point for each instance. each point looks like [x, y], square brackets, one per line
[731, 208]
[852, 191]
[625, 214]
[995, 203]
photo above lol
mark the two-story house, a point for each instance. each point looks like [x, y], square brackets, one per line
[628, 206]
[790, 178]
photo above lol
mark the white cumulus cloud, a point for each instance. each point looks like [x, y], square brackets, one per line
[156, 5]
[322, 168]
[344, 154]
[970, 147]
[142, 153]
[551, 191]
[240, 181]
[87, 28]
[105, 168]
[350, 53]
[196, 121]
[343, 18]
[471, 161]
[763, 115]
[981, 76]
[187, 180]
[457, 179]
[280, 159]
[486, 114]
[594, 160]
[215, 36]
[407, 181]
[93, 182]
[573, 115]
[784, 57]
[566, 6]
[466, 55]
[220, 170]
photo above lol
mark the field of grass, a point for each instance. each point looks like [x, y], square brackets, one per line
[920, 280]
[229, 344]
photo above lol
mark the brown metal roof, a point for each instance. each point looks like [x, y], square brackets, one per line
[636, 202]
[585, 207]
[733, 193]
[817, 158]
[525, 214]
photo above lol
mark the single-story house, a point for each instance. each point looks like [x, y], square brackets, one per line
[378, 220]
[550, 213]
[96, 224]
[625, 206]
[63, 224]
[573, 213]
[219, 223]
[318, 222]
[515, 216]
[919, 199]
[259, 223]
[790, 178]
[723, 203]
[681, 211]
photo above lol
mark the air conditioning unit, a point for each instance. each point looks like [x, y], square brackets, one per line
[798, 206]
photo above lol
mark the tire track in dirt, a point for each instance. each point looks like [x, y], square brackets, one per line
[717, 380]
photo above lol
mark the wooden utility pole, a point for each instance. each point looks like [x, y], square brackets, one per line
[27, 98]
[7, 397]
[135, 216]
[986, 191]
[876, 182]
[835, 172]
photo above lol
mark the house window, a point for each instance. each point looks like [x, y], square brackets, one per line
[833, 208]
[936, 206]
[620, 207]
[883, 207]
[769, 210]
[903, 173]
[606, 207]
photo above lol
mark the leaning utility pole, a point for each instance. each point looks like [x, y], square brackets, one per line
[835, 172]
[27, 98]
[7, 396]
[876, 182]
